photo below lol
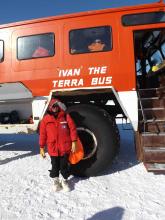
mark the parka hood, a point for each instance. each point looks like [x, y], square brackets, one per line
[61, 105]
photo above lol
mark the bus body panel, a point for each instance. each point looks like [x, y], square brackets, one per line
[118, 64]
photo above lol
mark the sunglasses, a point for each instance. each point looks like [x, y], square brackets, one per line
[97, 41]
[55, 106]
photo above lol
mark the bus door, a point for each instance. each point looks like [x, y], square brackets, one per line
[150, 56]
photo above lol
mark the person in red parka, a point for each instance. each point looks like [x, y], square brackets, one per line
[40, 52]
[58, 132]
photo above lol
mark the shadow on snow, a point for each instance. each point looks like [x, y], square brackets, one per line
[109, 214]
[127, 155]
[16, 143]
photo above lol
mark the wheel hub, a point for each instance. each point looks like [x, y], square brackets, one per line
[89, 142]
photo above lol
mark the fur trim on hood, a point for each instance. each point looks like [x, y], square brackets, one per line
[58, 102]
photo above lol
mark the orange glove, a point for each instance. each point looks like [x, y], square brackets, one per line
[42, 152]
[74, 146]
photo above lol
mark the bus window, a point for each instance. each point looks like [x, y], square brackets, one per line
[150, 40]
[148, 67]
[156, 58]
[88, 40]
[1, 51]
[35, 46]
[143, 18]
[138, 68]
[163, 49]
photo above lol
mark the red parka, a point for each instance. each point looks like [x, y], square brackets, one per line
[57, 132]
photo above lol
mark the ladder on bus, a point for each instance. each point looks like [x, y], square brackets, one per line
[152, 128]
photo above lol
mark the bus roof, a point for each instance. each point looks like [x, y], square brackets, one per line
[85, 13]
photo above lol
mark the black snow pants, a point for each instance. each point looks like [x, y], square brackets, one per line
[60, 165]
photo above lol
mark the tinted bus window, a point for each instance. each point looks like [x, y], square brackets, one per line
[163, 49]
[156, 58]
[88, 40]
[1, 51]
[143, 18]
[35, 46]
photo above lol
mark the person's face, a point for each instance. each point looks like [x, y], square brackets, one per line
[55, 108]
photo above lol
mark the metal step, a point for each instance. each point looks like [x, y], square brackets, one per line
[152, 92]
[152, 113]
[153, 147]
[147, 93]
[153, 126]
[156, 127]
[153, 102]
[154, 120]
[152, 139]
[154, 154]
[155, 167]
[151, 151]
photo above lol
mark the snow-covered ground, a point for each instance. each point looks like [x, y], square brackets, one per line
[126, 192]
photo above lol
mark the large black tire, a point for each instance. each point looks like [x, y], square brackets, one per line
[99, 136]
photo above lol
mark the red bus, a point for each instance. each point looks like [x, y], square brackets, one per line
[102, 64]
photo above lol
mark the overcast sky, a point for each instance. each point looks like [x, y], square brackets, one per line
[18, 10]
